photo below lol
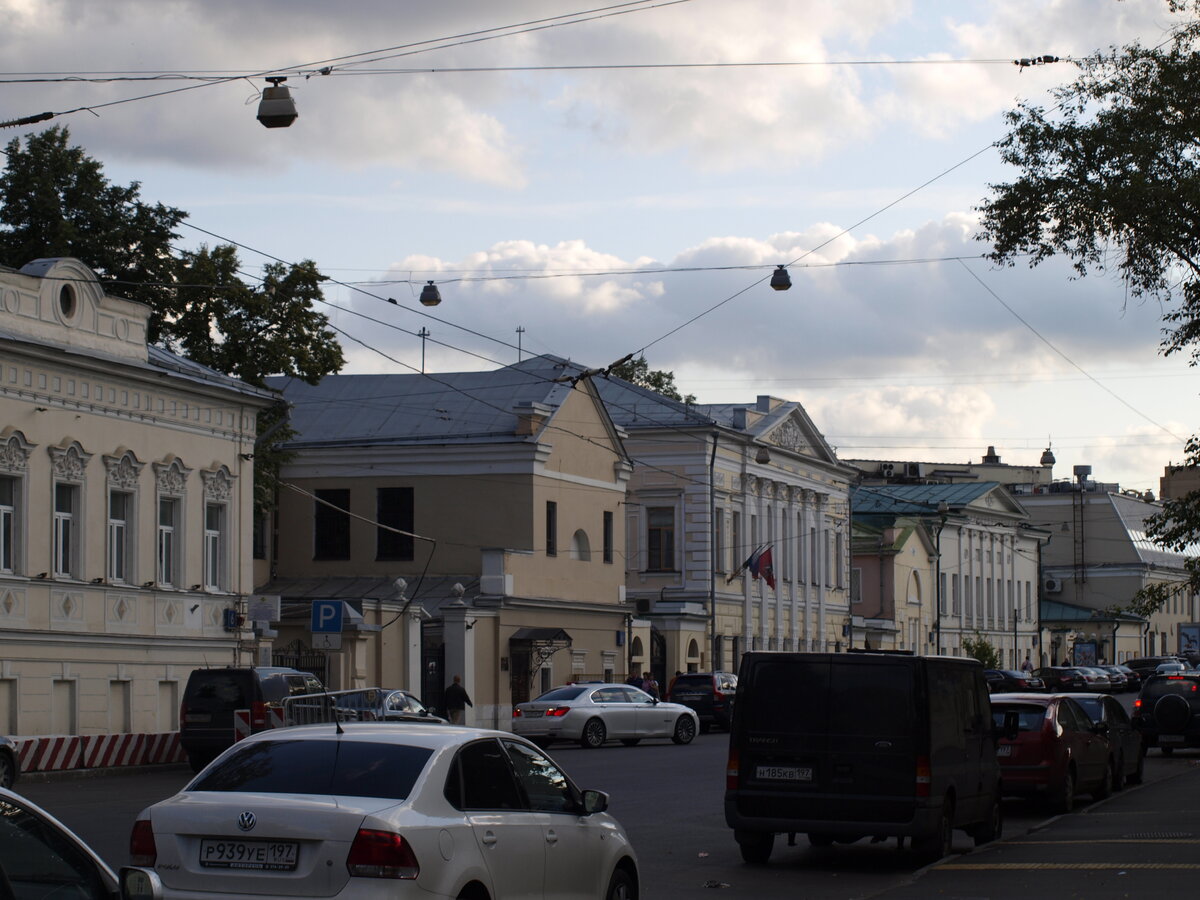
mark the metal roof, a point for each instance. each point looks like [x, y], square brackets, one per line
[1133, 512]
[915, 499]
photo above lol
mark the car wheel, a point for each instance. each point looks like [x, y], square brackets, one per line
[756, 846]
[1118, 781]
[940, 843]
[1064, 799]
[820, 839]
[8, 770]
[993, 828]
[594, 734]
[685, 730]
[631, 742]
[621, 886]
[1136, 776]
[1104, 785]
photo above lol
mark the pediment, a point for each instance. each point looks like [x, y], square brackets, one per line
[797, 434]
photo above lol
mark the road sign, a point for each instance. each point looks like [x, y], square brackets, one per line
[326, 641]
[327, 617]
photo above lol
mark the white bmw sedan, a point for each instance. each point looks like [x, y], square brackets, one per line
[361, 811]
[595, 713]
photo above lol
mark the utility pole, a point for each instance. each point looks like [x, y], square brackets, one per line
[422, 334]
[520, 331]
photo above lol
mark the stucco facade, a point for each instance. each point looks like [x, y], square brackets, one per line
[125, 510]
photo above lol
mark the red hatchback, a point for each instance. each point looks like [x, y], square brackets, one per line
[1057, 752]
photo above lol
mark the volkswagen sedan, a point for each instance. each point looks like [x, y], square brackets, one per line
[379, 810]
[594, 713]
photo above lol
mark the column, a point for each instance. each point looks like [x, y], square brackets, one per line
[822, 553]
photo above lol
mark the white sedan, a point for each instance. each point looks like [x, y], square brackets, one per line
[378, 810]
[595, 713]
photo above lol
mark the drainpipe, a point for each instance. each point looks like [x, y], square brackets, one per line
[712, 555]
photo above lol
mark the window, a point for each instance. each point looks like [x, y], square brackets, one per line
[735, 541]
[169, 541]
[608, 536]
[331, 524]
[120, 545]
[481, 778]
[215, 553]
[545, 785]
[66, 529]
[856, 585]
[394, 508]
[8, 523]
[660, 539]
[551, 528]
[718, 547]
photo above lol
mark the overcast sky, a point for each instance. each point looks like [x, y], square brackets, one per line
[860, 168]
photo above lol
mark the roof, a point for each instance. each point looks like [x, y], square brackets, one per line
[1058, 611]
[915, 499]
[1133, 513]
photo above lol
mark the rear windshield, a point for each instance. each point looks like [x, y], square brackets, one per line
[694, 682]
[562, 693]
[342, 768]
[226, 688]
[1029, 716]
[820, 697]
[1185, 685]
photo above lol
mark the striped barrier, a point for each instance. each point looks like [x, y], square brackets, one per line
[97, 751]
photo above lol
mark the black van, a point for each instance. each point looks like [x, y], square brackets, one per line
[211, 696]
[849, 745]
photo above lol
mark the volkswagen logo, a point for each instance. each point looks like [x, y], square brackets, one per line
[246, 821]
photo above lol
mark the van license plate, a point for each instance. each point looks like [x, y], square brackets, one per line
[279, 856]
[785, 773]
[1170, 738]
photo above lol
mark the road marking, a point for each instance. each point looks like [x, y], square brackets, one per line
[983, 867]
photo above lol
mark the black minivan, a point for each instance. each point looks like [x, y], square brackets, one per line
[206, 714]
[862, 744]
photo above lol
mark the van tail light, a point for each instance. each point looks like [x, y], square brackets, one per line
[1137, 705]
[258, 715]
[924, 776]
[142, 851]
[731, 771]
[381, 854]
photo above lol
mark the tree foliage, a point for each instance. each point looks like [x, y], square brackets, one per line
[638, 371]
[56, 201]
[1109, 178]
[978, 647]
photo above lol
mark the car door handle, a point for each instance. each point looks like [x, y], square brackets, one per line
[551, 837]
[489, 838]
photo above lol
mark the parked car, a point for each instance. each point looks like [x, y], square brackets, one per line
[1128, 756]
[1008, 680]
[1057, 752]
[1129, 681]
[10, 762]
[1170, 668]
[39, 856]
[379, 810]
[206, 720]
[710, 694]
[1145, 665]
[871, 743]
[597, 712]
[384, 705]
[1167, 711]
[1061, 678]
[1095, 678]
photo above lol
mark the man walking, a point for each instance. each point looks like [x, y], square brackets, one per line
[457, 701]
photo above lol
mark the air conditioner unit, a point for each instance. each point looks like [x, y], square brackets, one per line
[914, 470]
[1052, 585]
[643, 606]
[887, 470]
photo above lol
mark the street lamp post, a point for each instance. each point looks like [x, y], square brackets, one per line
[943, 509]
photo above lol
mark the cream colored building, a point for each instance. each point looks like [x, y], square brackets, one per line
[508, 487]
[125, 510]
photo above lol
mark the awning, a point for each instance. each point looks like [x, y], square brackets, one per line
[541, 637]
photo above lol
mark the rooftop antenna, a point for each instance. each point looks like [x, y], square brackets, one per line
[520, 331]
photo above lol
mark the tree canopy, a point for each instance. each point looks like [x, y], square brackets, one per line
[1109, 178]
[638, 371]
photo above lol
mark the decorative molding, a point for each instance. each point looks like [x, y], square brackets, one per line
[171, 476]
[12, 606]
[218, 483]
[124, 470]
[14, 452]
[790, 436]
[69, 462]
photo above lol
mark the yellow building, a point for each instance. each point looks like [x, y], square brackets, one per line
[125, 510]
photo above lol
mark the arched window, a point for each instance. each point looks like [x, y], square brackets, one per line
[580, 546]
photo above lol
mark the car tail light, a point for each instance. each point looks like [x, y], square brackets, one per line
[731, 771]
[558, 711]
[1137, 705]
[924, 776]
[516, 713]
[142, 851]
[258, 715]
[381, 854]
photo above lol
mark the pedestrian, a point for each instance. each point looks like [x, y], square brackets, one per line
[1027, 666]
[457, 701]
[650, 685]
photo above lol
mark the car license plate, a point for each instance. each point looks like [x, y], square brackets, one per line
[279, 856]
[785, 773]
[1004, 750]
[1170, 738]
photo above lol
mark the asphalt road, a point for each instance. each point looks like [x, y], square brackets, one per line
[670, 800]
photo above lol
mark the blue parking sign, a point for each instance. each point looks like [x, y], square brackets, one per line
[327, 617]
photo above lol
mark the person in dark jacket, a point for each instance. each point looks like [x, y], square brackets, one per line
[456, 701]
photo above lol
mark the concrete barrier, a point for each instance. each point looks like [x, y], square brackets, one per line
[55, 753]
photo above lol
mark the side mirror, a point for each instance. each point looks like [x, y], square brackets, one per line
[594, 802]
[139, 884]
